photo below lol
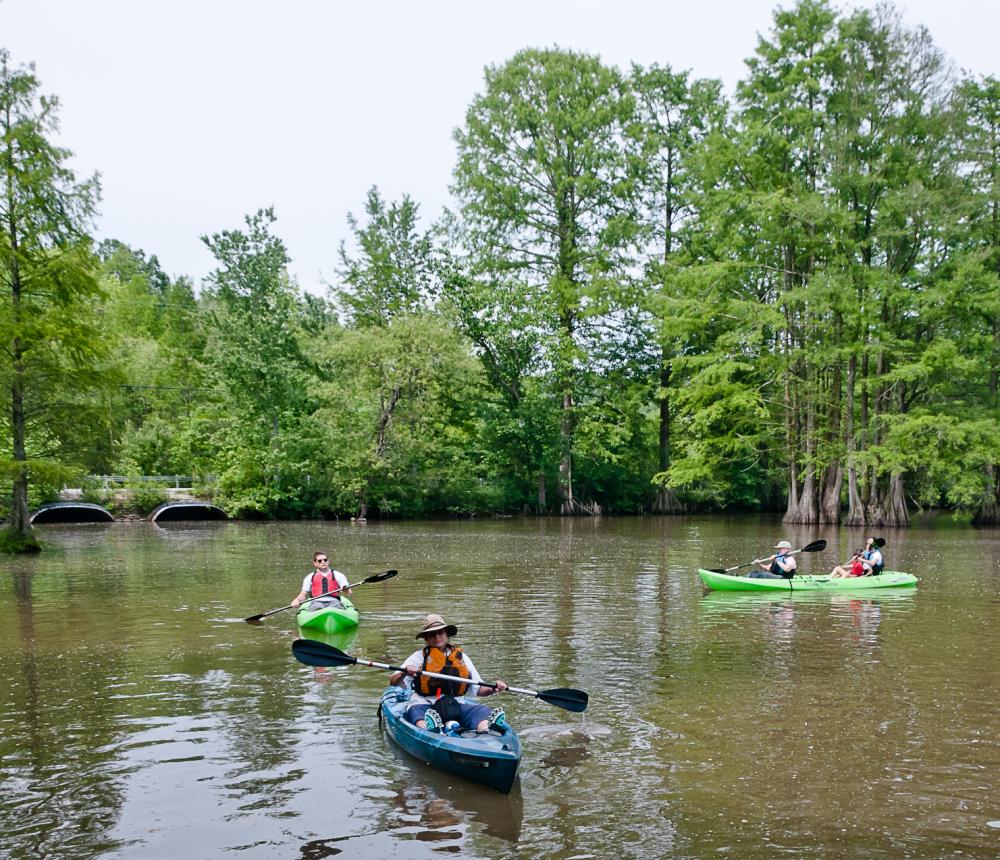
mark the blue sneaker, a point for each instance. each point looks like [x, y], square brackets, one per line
[498, 721]
[452, 727]
[432, 720]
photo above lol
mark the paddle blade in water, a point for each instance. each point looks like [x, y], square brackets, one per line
[565, 698]
[314, 653]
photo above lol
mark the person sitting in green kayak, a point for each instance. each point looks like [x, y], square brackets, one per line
[781, 565]
[857, 566]
[873, 556]
[434, 703]
[323, 586]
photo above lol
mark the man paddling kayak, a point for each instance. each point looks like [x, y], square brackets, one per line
[323, 585]
[434, 703]
[781, 565]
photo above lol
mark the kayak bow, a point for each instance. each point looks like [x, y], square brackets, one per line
[328, 619]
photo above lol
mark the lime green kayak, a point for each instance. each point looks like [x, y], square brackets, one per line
[328, 619]
[886, 579]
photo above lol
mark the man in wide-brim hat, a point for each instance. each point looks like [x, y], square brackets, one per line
[435, 701]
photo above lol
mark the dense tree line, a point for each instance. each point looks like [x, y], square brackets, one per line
[648, 298]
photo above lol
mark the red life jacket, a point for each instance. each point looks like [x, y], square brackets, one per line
[324, 583]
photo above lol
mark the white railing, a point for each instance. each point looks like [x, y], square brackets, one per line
[178, 482]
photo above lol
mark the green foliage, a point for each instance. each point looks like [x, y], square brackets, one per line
[13, 542]
[97, 494]
[51, 348]
[255, 351]
[394, 271]
[648, 298]
[144, 498]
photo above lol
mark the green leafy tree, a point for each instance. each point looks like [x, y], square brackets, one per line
[50, 349]
[981, 99]
[257, 358]
[396, 431]
[674, 116]
[520, 414]
[393, 271]
[545, 177]
[256, 350]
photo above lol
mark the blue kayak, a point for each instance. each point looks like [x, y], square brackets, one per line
[490, 759]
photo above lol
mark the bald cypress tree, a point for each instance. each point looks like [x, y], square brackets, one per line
[49, 344]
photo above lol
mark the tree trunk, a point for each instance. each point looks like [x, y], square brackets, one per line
[807, 510]
[889, 508]
[566, 502]
[855, 508]
[833, 479]
[542, 504]
[791, 510]
[19, 530]
[989, 511]
[833, 483]
[666, 501]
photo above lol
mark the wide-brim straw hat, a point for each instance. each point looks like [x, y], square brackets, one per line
[433, 623]
[782, 544]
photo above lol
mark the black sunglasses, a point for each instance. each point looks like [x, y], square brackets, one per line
[320, 560]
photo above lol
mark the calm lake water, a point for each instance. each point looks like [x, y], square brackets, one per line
[141, 718]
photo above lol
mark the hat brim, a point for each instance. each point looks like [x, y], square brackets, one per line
[450, 629]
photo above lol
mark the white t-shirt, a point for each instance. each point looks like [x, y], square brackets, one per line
[416, 660]
[337, 575]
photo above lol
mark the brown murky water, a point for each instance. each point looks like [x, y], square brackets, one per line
[139, 717]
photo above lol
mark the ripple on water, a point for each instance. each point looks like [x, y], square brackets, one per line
[146, 719]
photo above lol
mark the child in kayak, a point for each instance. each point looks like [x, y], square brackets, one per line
[323, 585]
[434, 702]
[858, 567]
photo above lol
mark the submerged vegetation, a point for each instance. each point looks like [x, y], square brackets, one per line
[649, 298]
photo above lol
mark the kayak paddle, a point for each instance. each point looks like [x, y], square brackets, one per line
[378, 577]
[314, 653]
[815, 546]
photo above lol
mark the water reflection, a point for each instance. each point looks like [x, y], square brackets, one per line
[185, 532]
[437, 808]
[140, 716]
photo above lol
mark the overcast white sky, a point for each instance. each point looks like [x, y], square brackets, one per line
[196, 113]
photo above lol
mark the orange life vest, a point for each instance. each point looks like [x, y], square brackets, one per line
[324, 583]
[435, 660]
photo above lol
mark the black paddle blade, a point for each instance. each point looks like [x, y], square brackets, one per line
[815, 546]
[314, 653]
[716, 569]
[565, 698]
[379, 577]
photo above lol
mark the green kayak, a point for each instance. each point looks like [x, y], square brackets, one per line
[886, 579]
[328, 619]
